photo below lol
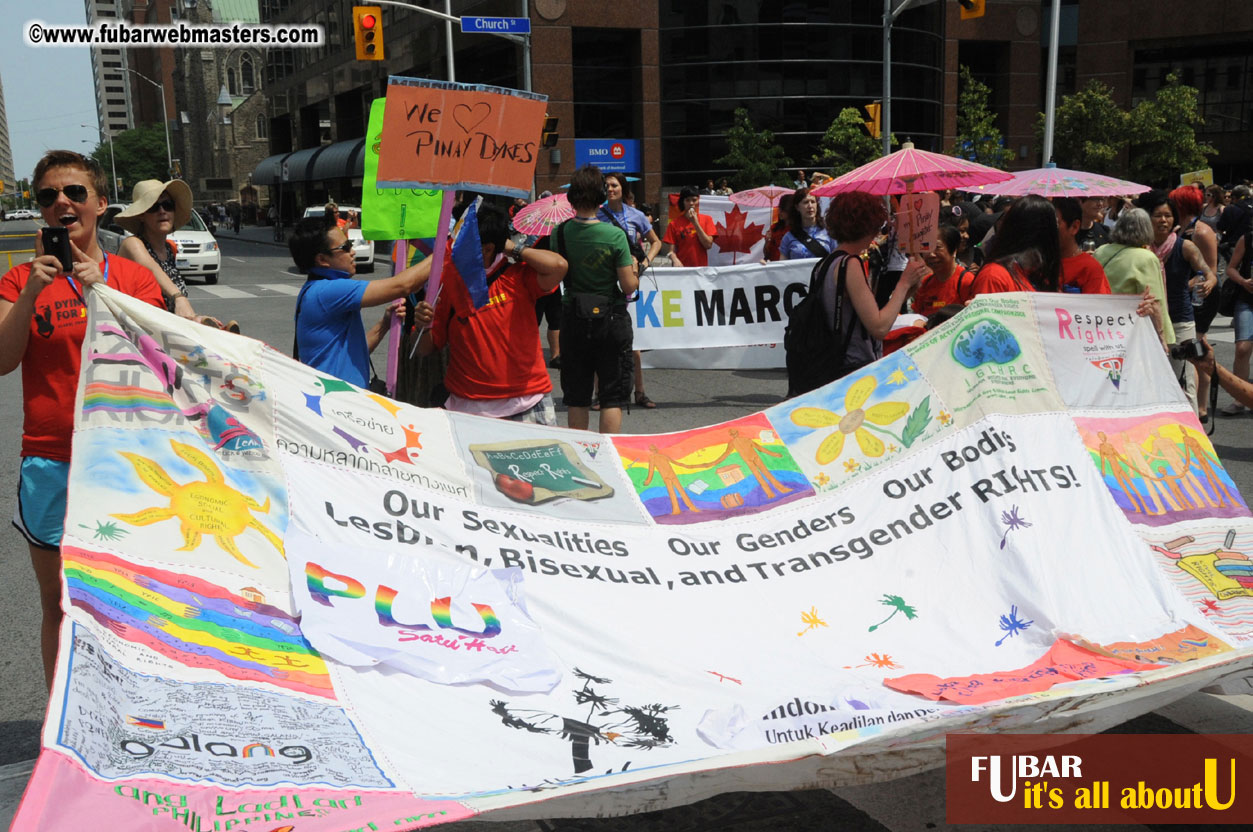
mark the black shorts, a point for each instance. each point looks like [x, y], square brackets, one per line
[1205, 313]
[596, 351]
[549, 306]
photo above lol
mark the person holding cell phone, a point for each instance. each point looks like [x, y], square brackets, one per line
[43, 322]
[158, 209]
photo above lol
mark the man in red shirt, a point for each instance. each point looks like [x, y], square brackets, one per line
[43, 320]
[690, 235]
[495, 363]
[1081, 272]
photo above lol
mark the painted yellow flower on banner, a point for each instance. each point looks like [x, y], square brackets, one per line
[211, 507]
[852, 422]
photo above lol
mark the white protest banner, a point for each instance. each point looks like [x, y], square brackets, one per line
[972, 534]
[728, 306]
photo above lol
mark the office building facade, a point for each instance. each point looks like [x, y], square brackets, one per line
[670, 74]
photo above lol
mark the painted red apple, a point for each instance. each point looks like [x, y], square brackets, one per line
[515, 489]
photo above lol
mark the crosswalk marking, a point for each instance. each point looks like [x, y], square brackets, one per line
[251, 290]
[281, 288]
[224, 292]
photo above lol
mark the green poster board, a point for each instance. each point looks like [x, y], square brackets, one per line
[393, 213]
[535, 471]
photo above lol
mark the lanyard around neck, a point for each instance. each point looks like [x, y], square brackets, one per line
[74, 286]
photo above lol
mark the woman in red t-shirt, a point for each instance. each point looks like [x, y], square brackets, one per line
[1024, 255]
[939, 289]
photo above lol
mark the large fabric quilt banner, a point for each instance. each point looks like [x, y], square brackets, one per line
[294, 604]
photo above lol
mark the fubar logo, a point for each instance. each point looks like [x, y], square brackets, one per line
[994, 770]
[1104, 778]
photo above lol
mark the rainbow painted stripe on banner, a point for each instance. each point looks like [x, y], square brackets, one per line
[101, 397]
[195, 622]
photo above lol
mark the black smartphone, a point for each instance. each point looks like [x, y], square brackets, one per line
[56, 242]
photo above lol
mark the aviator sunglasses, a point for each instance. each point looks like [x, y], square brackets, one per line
[75, 193]
[166, 205]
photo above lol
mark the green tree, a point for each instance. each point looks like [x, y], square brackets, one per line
[1162, 133]
[1089, 131]
[140, 155]
[847, 144]
[978, 138]
[753, 153]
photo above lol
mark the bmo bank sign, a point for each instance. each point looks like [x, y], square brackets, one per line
[622, 155]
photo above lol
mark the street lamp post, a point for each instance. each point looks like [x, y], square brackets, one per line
[169, 156]
[885, 111]
[112, 158]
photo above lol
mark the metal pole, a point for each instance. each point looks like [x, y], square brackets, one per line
[169, 155]
[1050, 93]
[113, 165]
[112, 158]
[526, 52]
[452, 74]
[885, 112]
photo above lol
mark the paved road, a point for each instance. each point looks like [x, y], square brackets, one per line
[257, 288]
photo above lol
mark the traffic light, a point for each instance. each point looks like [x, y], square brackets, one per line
[549, 137]
[972, 8]
[367, 27]
[872, 126]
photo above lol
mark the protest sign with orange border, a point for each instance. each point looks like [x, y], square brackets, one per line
[439, 134]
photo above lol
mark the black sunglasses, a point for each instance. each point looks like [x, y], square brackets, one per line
[345, 248]
[166, 205]
[75, 193]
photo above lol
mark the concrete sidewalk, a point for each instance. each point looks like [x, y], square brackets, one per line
[263, 234]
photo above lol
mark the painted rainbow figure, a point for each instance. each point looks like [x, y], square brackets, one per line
[211, 507]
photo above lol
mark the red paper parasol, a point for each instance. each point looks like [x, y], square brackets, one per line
[910, 170]
[766, 196]
[539, 218]
[1054, 181]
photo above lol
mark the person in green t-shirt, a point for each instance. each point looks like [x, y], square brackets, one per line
[596, 330]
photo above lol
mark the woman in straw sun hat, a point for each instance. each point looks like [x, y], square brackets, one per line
[156, 210]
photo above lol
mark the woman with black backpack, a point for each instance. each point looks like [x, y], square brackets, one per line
[852, 324]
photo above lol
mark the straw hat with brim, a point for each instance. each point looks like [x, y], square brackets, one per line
[146, 194]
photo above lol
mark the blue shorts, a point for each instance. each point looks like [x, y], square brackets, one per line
[40, 514]
[1242, 321]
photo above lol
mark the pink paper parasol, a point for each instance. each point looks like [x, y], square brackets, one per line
[911, 170]
[1054, 181]
[766, 196]
[541, 217]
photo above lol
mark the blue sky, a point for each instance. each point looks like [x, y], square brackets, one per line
[48, 91]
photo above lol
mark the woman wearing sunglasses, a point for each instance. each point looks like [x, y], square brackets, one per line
[158, 209]
[42, 326]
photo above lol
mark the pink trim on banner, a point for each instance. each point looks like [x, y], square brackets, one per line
[149, 805]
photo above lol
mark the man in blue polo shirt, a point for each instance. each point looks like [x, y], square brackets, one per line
[329, 334]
